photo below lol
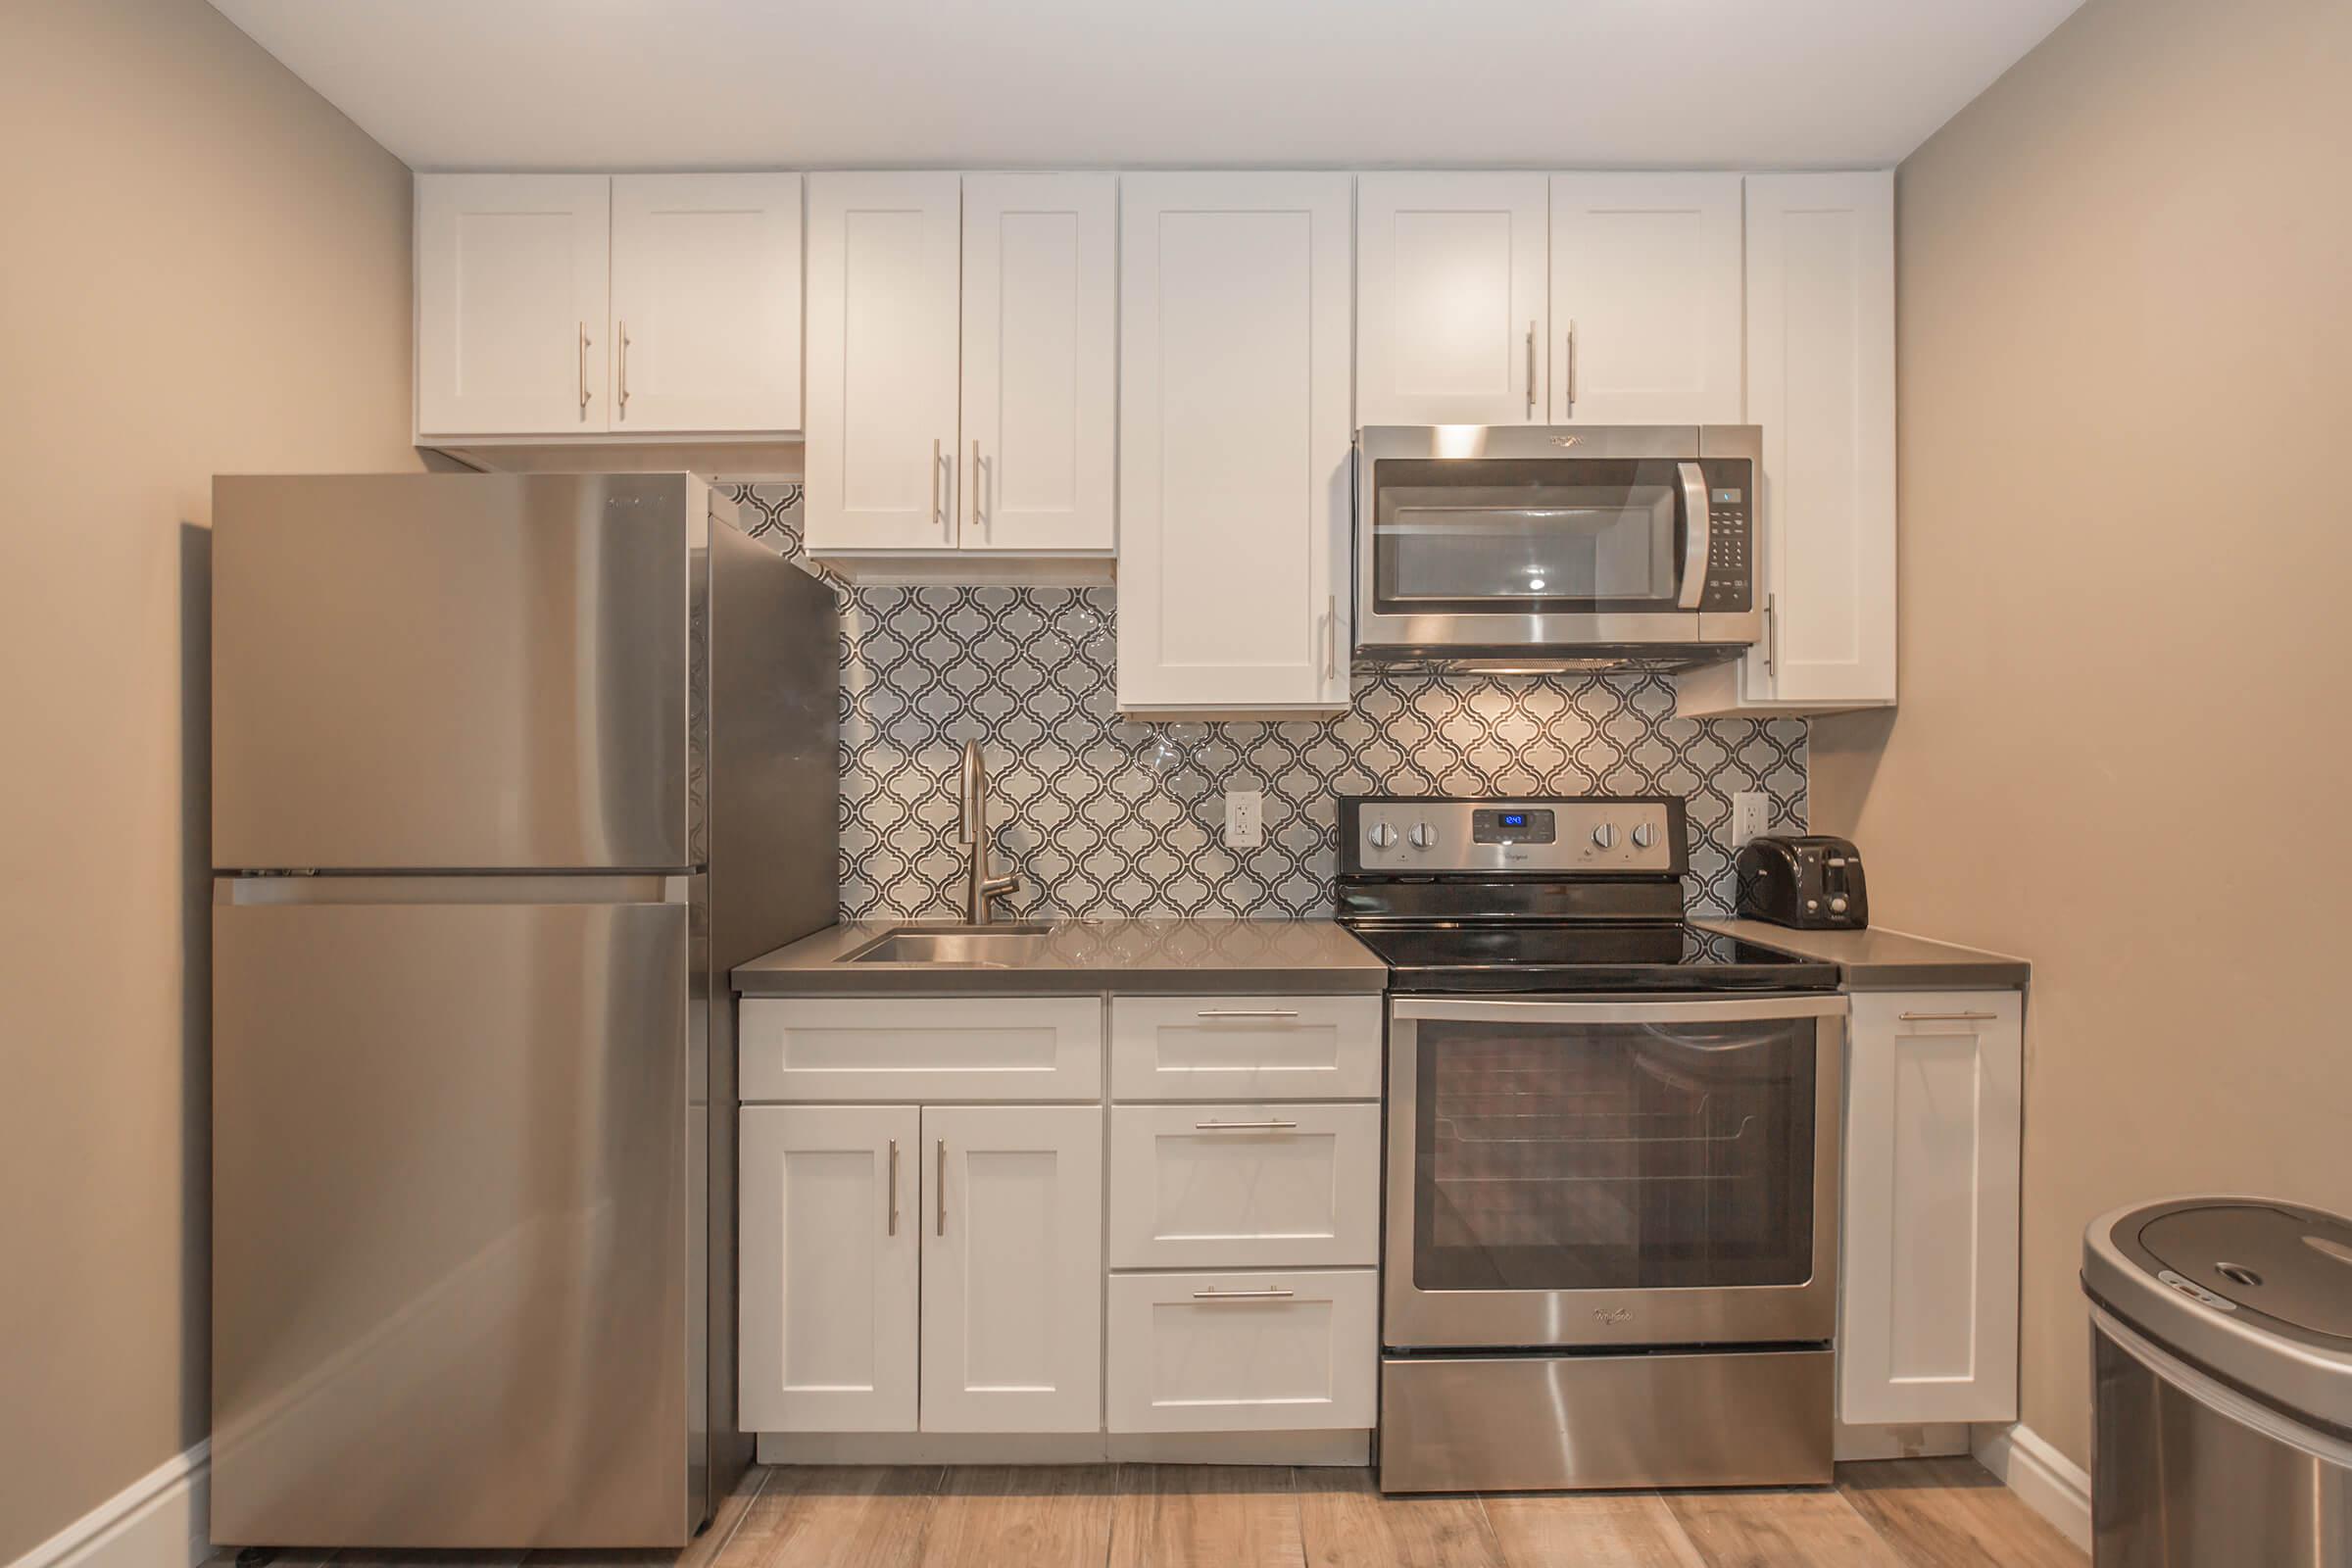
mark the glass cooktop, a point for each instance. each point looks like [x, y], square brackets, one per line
[1585, 956]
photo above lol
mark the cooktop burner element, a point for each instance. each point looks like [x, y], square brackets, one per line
[1540, 894]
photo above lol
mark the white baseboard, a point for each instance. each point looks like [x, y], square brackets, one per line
[162, 1520]
[2044, 1479]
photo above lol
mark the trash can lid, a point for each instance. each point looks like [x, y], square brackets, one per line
[2255, 1290]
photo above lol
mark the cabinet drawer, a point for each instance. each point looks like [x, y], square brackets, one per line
[1273, 1351]
[1244, 1047]
[1033, 1050]
[1234, 1185]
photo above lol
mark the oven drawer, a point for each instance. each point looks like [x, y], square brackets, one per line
[1265, 1352]
[1526, 1423]
[1244, 1047]
[1240, 1185]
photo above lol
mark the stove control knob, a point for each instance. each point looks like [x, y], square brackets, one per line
[1605, 835]
[1645, 836]
[1424, 836]
[1381, 835]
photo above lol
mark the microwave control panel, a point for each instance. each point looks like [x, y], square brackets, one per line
[1613, 834]
[1731, 537]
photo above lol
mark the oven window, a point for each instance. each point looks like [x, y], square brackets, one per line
[1613, 1157]
[1525, 536]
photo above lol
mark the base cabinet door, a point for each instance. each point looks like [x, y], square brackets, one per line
[1012, 1267]
[1928, 1290]
[1239, 1185]
[829, 1269]
[1292, 1350]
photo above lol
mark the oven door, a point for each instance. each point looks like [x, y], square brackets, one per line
[1612, 1172]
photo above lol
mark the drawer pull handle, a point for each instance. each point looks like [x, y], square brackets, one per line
[1948, 1017]
[1243, 1295]
[1243, 1126]
[1247, 1013]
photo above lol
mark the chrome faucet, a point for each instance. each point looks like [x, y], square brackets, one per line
[978, 886]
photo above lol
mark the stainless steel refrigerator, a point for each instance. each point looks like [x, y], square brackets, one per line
[508, 773]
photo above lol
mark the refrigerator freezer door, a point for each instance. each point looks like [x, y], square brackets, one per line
[451, 1202]
[437, 671]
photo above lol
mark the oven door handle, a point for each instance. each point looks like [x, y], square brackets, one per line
[1699, 535]
[1729, 1009]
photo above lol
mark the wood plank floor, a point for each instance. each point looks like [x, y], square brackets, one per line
[1911, 1513]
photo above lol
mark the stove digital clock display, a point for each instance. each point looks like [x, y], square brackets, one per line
[1526, 825]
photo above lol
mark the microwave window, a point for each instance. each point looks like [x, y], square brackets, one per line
[1527, 537]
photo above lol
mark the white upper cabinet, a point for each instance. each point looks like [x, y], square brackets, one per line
[1040, 362]
[1928, 1320]
[1234, 437]
[961, 349]
[706, 302]
[885, 252]
[1645, 299]
[1451, 314]
[512, 271]
[1821, 384]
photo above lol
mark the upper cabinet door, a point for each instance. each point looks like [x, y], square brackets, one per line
[511, 297]
[1234, 436]
[1821, 383]
[1645, 299]
[884, 252]
[1040, 357]
[1450, 314]
[706, 302]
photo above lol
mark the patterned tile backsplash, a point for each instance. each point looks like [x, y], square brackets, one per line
[1104, 816]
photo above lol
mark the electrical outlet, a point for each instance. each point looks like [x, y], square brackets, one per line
[1244, 819]
[1751, 814]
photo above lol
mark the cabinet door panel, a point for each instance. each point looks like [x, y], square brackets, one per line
[1821, 382]
[1239, 1186]
[1234, 436]
[1293, 1351]
[1012, 1268]
[512, 276]
[829, 1269]
[1645, 299]
[1928, 1298]
[922, 1048]
[1244, 1047]
[706, 302]
[884, 304]
[1452, 280]
[1040, 346]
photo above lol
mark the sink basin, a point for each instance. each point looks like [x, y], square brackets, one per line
[985, 947]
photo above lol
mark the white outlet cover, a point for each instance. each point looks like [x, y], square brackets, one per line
[1244, 819]
[1751, 816]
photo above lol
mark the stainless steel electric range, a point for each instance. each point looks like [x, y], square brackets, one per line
[1612, 1156]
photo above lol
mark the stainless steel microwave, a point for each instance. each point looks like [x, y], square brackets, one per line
[1571, 546]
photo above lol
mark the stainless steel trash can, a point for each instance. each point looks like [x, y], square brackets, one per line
[2222, 1366]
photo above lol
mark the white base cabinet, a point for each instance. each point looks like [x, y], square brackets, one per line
[1928, 1313]
[1292, 1351]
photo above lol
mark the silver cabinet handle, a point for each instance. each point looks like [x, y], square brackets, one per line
[1331, 638]
[1246, 1012]
[621, 403]
[1568, 393]
[581, 369]
[1243, 1295]
[1772, 634]
[975, 500]
[1530, 369]
[1946, 1017]
[1698, 538]
[1272, 1125]
[937, 516]
[894, 1188]
[943, 1187]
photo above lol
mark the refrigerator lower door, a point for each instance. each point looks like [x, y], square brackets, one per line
[451, 1201]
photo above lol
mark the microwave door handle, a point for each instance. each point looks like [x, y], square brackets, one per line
[1699, 536]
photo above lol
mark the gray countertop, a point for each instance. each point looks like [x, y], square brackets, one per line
[1884, 961]
[1190, 956]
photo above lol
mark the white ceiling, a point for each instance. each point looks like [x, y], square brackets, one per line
[798, 84]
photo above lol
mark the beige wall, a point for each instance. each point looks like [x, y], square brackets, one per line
[203, 268]
[2124, 286]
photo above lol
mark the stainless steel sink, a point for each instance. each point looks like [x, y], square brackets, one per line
[969, 947]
